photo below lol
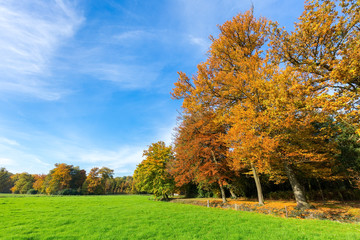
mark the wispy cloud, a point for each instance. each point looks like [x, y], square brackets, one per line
[7, 141]
[30, 34]
[6, 162]
[18, 160]
[204, 44]
[126, 75]
[133, 35]
[123, 159]
[76, 150]
[200, 18]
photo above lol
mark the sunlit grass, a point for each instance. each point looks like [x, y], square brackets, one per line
[136, 217]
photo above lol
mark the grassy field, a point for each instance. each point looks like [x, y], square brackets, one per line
[135, 217]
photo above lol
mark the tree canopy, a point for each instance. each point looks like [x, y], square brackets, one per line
[152, 175]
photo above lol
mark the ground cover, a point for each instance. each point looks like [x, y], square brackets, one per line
[136, 217]
[331, 210]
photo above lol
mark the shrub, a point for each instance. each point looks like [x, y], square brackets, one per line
[68, 191]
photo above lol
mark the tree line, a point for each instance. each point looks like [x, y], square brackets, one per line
[280, 106]
[66, 179]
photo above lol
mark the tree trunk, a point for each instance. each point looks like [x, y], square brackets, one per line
[258, 185]
[165, 197]
[222, 193]
[220, 184]
[233, 195]
[297, 188]
[321, 191]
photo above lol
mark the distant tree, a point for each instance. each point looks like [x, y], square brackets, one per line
[152, 175]
[78, 177]
[64, 176]
[122, 184]
[39, 183]
[23, 182]
[98, 181]
[6, 182]
[59, 178]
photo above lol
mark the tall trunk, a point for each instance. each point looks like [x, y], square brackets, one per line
[220, 184]
[297, 188]
[258, 185]
[233, 195]
[321, 191]
[340, 195]
[222, 192]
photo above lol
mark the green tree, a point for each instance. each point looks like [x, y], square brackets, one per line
[152, 175]
[348, 160]
[5, 181]
[23, 182]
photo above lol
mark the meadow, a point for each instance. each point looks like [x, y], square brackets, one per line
[137, 217]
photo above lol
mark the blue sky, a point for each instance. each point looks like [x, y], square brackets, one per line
[87, 82]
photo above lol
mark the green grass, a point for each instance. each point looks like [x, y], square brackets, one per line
[136, 217]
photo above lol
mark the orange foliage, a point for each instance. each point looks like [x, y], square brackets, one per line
[38, 185]
[200, 151]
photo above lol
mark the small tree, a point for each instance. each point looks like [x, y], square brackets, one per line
[151, 175]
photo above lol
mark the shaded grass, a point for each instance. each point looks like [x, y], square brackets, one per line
[135, 217]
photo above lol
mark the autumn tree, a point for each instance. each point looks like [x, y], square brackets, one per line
[325, 45]
[280, 101]
[39, 185]
[59, 178]
[233, 75]
[62, 177]
[152, 175]
[302, 130]
[97, 181]
[322, 54]
[201, 153]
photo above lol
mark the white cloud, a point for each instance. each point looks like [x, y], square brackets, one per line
[39, 151]
[7, 141]
[6, 162]
[18, 160]
[126, 75]
[30, 34]
[123, 160]
[133, 35]
[201, 42]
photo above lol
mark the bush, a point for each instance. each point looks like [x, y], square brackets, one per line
[32, 191]
[68, 191]
[204, 193]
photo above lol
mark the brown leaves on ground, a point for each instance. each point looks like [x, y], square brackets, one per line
[330, 210]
